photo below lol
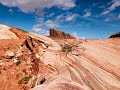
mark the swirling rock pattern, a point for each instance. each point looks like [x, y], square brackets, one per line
[38, 63]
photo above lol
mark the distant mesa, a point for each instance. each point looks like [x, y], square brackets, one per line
[60, 34]
[116, 35]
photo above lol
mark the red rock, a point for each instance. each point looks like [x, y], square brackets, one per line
[60, 34]
[116, 35]
[21, 34]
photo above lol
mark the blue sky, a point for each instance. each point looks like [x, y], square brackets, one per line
[82, 18]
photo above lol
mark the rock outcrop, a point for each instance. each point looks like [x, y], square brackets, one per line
[60, 34]
[7, 32]
[116, 35]
[37, 63]
[21, 34]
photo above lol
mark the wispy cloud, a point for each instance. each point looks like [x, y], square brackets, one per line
[38, 29]
[75, 35]
[119, 16]
[51, 15]
[10, 11]
[42, 24]
[45, 22]
[71, 17]
[112, 18]
[107, 19]
[115, 4]
[51, 24]
[103, 6]
[87, 14]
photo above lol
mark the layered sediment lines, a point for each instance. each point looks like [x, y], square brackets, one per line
[36, 62]
[97, 67]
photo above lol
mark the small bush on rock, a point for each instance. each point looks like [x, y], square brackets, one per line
[66, 48]
[26, 79]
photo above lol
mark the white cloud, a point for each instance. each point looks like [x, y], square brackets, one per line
[75, 35]
[82, 38]
[32, 5]
[51, 15]
[68, 16]
[87, 10]
[95, 4]
[112, 17]
[115, 4]
[71, 17]
[105, 12]
[39, 12]
[87, 14]
[107, 19]
[119, 16]
[38, 29]
[39, 20]
[51, 24]
[43, 24]
[60, 16]
[10, 11]
[103, 6]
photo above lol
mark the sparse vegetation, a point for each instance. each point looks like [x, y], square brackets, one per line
[66, 48]
[26, 79]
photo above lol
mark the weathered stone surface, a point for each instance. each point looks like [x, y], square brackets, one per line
[5, 33]
[9, 54]
[21, 34]
[60, 34]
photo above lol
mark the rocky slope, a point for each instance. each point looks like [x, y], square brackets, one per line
[38, 63]
[116, 35]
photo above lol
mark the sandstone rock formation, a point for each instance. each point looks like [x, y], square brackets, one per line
[60, 34]
[5, 33]
[11, 33]
[37, 63]
[116, 35]
[21, 34]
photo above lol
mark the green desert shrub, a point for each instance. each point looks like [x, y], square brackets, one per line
[66, 48]
[26, 79]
